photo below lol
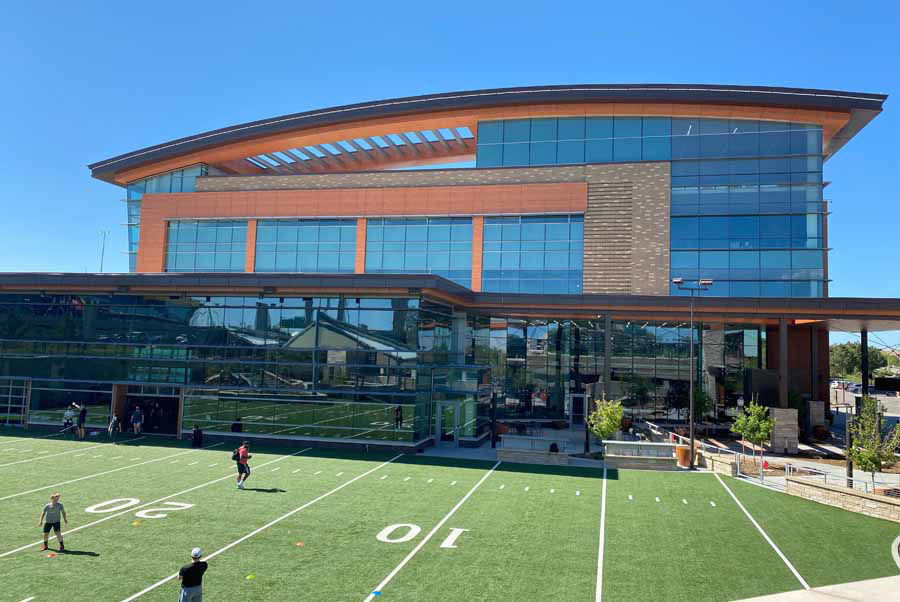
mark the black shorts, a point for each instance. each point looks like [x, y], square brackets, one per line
[243, 468]
[54, 526]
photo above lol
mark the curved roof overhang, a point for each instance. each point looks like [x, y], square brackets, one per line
[841, 114]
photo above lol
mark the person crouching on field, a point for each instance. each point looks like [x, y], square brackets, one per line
[50, 519]
[243, 466]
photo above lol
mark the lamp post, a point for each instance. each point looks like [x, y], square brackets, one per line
[702, 285]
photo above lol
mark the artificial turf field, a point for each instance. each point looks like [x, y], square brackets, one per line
[316, 525]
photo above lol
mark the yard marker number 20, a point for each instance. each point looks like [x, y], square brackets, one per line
[128, 502]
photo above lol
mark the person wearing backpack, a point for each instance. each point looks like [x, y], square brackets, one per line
[241, 455]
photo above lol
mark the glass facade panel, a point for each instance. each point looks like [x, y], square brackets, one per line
[533, 254]
[426, 245]
[206, 245]
[305, 245]
[180, 180]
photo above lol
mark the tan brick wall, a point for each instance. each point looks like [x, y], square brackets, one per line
[626, 227]
[878, 506]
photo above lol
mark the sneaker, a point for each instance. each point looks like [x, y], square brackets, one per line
[240, 486]
[62, 548]
[44, 548]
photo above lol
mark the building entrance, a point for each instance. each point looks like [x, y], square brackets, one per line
[446, 421]
[160, 414]
[575, 408]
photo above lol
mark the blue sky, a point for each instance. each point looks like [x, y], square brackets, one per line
[89, 80]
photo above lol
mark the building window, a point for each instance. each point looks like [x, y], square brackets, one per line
[426, 245]
[206, 246]
[306, 245]
[533, 254]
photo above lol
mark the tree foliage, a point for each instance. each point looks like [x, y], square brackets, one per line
[872, 447]
[754, 425]
[846, 359]
[606, 419]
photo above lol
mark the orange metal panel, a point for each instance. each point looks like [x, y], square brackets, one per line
[359, 264]
[250, 249]
[477, 248]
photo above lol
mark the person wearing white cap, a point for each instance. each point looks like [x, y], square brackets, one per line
[191, 576]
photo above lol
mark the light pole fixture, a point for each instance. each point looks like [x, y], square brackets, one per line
[702, 285]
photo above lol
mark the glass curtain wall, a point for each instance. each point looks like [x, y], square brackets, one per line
[746, 195]
[206, 246]
[322, 367]
[179, 180]
[533, 254]
[427, 245]
[306, 245]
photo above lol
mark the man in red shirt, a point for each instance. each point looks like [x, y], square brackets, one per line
[243, 467]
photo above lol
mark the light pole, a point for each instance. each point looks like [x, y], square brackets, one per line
[702, 285]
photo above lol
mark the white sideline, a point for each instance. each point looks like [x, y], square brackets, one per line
[71, 451]
[763, 533]
[99, 474]
[431, 533]
[599, 592]
[156, 501]
[264, 527]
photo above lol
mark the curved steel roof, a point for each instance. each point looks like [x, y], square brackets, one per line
[862, 107]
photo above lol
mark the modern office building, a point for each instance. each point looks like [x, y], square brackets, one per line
[310, 275]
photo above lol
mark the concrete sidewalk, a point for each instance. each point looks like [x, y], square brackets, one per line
[886, 589]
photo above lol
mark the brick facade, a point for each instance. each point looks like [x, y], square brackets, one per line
[626, 228]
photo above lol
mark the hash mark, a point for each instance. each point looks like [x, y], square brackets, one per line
[296, 471]
[453, 483]
[553, 491]
[430, 481]
[527, 488]
[276, 468]
[630, 498]
[577, 493]
[684, 500]
[657, 500]
[317, 472]
[502, 486]
[407, 478]
[384, 477]
[192, 463]
[338, 474]
[712, 503]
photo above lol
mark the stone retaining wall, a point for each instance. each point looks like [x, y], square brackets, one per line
[847, 499]
[641, 462]
[721, 463]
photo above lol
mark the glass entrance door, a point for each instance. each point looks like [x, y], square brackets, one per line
[447, 425]
[575, 407]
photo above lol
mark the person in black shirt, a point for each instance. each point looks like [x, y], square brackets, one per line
[191, 576]
[196, 437]
[398, 417]
[82, 417]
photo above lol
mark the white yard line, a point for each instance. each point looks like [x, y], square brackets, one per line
[28, 599]
[431, 533]
[266, 526]
[102, 473]
[764, 534]
[599, 591]
[71, 451]
[156, 501]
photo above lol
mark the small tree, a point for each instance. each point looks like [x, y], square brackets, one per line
[702, 405]
[606, 419]
[754, 425]
[870, 446]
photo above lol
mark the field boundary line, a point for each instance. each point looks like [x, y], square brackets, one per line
[71, 451]
[266, 526]
[764, 534]
[100, 474]
[431, 533]
[156, 501]
[599, 593]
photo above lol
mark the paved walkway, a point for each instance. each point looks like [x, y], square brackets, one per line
[886, 589]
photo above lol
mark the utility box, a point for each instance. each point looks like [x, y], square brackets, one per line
[784, 431]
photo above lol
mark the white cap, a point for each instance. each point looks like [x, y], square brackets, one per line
[196, 553]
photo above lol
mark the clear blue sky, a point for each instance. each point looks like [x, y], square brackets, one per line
[89, 80]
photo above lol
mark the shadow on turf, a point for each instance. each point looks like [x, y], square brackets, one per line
[259, 490]
[292, 447]
[80, 553]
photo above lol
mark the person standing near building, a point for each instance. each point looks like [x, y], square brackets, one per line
[196, 437]
[137, 420]
[113, 428]
[82, 418]
[191, 576]
[398, 417]
[243, 466]
[68, 421]
[50, 519]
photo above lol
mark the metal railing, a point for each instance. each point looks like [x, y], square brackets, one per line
[682, 440]
[868, 486]
[526, 443]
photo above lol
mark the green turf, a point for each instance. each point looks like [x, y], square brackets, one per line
[539, 543]
[827, 545]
